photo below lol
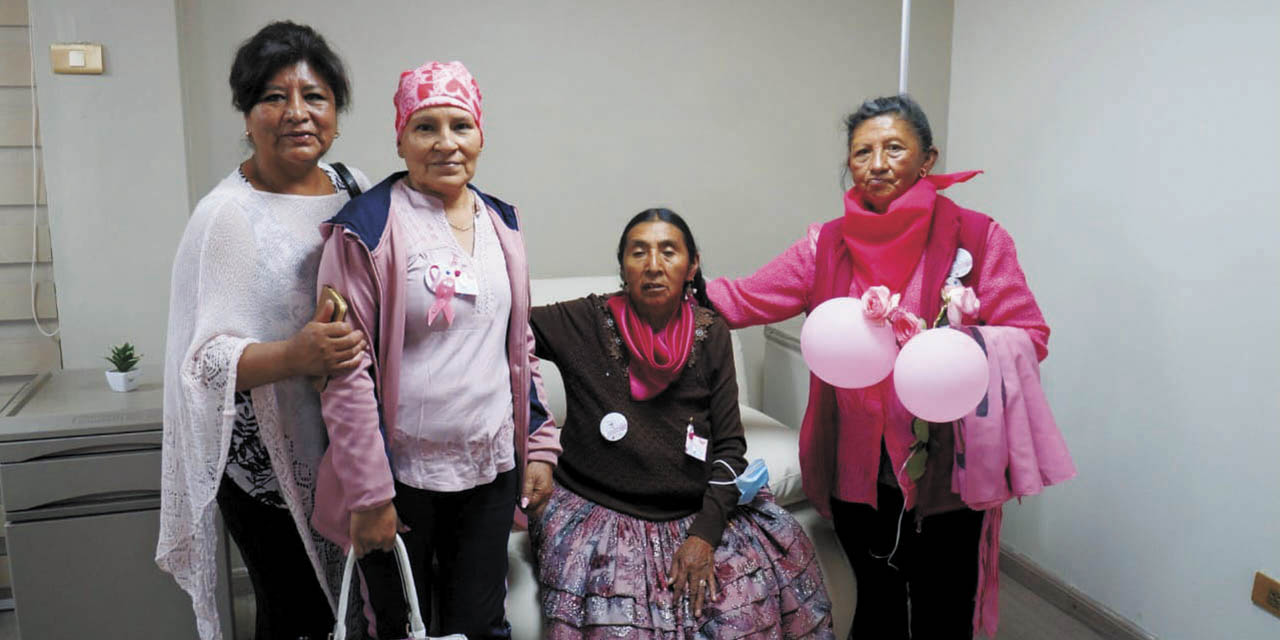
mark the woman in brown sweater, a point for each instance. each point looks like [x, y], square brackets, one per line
[642, 535]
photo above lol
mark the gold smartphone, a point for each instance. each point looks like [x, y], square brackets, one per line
[339, 314]
[339, 303]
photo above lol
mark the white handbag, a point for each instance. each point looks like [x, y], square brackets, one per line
[416, 630]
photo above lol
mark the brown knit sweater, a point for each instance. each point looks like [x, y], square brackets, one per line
[646, 474]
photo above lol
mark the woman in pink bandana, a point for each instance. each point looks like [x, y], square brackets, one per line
[646, 534]
[914, 544]
[433, 432]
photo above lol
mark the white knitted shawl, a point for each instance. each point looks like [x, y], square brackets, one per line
[245, 272]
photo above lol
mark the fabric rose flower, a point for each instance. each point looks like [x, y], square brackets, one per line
[962, 302]
[877, 304]
[905, 324]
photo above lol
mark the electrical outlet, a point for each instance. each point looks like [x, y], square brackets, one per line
[1266, 593]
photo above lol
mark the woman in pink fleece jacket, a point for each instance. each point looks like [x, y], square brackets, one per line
[913, 544]
[432, 434]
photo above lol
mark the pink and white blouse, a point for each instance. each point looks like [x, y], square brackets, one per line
[454, 414]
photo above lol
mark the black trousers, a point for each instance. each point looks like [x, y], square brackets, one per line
[291, 604]
[930, 596]
[465, 534]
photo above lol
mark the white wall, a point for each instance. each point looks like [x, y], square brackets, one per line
[115, 172]
[728, 112]
[1131, 150]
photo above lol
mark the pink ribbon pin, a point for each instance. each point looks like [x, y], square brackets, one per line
[445, 288]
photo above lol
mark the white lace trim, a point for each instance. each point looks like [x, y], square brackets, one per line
[455, 466]
[191, 466]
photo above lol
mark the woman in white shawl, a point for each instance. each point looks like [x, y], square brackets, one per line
[242, 425]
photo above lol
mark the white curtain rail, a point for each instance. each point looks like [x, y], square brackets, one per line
[905, 47]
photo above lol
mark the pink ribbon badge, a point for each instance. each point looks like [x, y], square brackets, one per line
[445, 288]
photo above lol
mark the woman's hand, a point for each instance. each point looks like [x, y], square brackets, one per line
[693, 573]
[322, 348]
[375, 529]
[537, 488]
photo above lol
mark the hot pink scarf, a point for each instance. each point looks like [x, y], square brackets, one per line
[657, 357]
[886, 247]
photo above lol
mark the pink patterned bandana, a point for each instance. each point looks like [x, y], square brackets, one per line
[435, 84]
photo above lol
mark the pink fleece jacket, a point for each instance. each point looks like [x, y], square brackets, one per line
[1011, 444]
[781, 289]
[355, 474]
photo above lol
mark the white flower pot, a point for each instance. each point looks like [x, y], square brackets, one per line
[127, 381]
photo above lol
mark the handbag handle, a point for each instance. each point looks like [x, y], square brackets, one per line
[348, 181]
[417, 630]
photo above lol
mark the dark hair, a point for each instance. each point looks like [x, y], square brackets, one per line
[666, 215]
[279, 45]
[901, 105]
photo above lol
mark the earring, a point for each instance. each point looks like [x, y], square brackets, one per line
[337, 134]
[246, 133]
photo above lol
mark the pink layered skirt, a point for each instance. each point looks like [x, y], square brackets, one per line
[601, 573]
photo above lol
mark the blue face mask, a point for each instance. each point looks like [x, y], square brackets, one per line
[756, 475]
[749, 481]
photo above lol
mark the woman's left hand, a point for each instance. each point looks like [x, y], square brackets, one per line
[537, 489]
[693, 573]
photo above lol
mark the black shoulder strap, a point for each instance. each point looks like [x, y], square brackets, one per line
[348, 181]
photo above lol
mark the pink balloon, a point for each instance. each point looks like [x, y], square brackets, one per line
[941, 375]
[843, 348]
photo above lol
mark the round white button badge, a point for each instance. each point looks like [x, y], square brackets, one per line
[963, 264]
[613, 426]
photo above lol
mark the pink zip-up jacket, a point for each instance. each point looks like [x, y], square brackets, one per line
[842, 460]
[364, 259]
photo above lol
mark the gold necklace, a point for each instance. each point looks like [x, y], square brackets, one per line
[473, 218]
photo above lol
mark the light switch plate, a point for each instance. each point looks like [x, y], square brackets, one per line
[80, 58]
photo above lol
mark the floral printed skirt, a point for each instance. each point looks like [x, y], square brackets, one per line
[601, 573]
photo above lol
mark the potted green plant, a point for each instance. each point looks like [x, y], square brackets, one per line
[124, 377]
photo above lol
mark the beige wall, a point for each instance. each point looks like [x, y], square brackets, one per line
[929, 67]
[1130, 150]
[115, 172]
[728, 112]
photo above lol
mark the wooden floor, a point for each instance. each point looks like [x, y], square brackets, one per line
[1023, 616]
